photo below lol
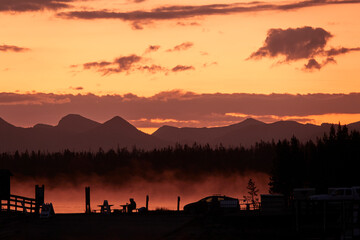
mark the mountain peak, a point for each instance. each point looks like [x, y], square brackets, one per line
[118, 122]
[76, 123]
[5, 124]
[248, 122]
[251, 121]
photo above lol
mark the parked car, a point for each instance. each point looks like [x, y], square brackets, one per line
[213, 203]
[352, 193]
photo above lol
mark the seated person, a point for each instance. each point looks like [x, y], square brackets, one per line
[132, 205]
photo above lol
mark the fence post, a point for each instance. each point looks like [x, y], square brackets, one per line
[178, 203]
[87, 200]
[39, 197]
[147, 202]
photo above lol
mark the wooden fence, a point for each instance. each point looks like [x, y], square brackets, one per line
[19, 204]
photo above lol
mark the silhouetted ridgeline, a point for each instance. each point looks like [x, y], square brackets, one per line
[78, 133]
[328, 162]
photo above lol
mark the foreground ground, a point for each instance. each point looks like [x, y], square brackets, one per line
[162, 226]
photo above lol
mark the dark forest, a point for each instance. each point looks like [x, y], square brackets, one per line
[330, 161]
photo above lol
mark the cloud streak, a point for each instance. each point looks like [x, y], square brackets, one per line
[174, 107]
[33, 5]
[10, 48]
[178, 12]
[295, 44]
[152, 48]
[118, 65]
[180, 68]
[181, 47]
[133, 62]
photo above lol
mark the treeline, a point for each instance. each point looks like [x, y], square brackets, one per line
[330, 161]
[182, 162]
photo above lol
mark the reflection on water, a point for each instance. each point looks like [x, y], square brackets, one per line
[71, 199]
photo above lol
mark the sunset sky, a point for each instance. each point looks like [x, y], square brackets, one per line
[182, 63]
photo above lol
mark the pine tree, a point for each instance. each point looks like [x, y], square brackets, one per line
[253, 192]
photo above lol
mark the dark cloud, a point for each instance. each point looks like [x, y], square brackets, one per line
[77, 88]
[180, 68]
[176, 107]
[125, 63]
[152, 48]
[134, 62]
[129, 64]
[295, 44]
[339, 51]
[190, 11]
[121, 64]
[153, 68]
[95, 65]
[33, 5]
[10, 48]
[181, 47]
[312, 64]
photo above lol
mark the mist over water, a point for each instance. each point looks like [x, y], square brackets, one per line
[163, 192]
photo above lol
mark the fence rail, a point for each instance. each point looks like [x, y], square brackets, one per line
[19, 204]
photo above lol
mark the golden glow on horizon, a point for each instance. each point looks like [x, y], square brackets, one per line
[148, 130]
[312, 119]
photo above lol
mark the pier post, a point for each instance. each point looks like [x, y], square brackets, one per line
[39, 197]
[178, 203]
[147, 202]
[87, 200]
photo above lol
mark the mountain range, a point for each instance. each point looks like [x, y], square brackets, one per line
[78, 133]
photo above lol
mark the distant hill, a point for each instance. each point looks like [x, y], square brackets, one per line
[245, 133]
[78, 133]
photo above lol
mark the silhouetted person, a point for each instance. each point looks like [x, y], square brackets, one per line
[132, 205]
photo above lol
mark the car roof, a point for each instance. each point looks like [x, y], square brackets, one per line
[218, 196]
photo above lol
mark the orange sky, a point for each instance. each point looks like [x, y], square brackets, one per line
[212, 54]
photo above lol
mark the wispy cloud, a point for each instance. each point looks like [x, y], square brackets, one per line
[181, 47]
[128, 64]
[134, 62]
[10, 48]
[118, 65]
[181, 68]
[295, 44]
[33, 5]
[76, 88]
[152, 48]
[177, 12]
[178, 108]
